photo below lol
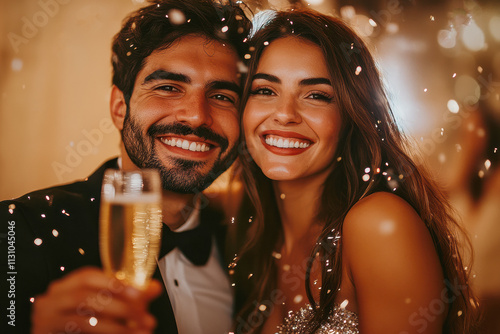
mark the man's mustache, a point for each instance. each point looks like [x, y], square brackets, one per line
[184, 130]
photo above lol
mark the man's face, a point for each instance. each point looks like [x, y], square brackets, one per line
[182, 117]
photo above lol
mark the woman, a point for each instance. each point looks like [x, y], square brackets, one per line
[346, 233]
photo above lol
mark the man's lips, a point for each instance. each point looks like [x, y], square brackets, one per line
[194, 144]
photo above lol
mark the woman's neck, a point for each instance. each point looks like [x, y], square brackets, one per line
[298, 204]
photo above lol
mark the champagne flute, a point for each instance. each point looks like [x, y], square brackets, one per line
[130, 224]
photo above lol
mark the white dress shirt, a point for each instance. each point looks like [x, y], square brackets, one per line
[201, 296]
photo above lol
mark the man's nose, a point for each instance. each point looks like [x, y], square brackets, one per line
[195, 111]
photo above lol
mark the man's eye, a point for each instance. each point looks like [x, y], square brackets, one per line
[167, 88]
[222, 97]
[262, 91]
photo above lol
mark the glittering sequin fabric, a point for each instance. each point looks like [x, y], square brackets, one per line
[340, 321]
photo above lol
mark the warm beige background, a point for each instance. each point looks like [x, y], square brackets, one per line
[51, 105]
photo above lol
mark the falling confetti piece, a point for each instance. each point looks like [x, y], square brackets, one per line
[32, 299]
[487, 164]
[225, 29]
[358, 70]
[262, 307]
[38, 241]
[55, 233]
[81, 251]
[344, 304]
[93, 321]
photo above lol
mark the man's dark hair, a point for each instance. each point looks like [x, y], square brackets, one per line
[158, 25]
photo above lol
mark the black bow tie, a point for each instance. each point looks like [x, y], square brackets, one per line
[195, 244]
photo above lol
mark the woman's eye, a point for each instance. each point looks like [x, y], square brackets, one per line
[262, 91]
[319, 96]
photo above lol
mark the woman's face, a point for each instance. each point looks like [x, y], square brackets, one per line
[291, 121]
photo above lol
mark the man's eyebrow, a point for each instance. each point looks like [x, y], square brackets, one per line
[223, 84]
[267, 77]
[315, 81]
[165, 75]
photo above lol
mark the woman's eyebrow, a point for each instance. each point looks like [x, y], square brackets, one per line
[315, 81]
[267, 77]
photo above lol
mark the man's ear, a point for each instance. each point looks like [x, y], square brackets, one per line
[117, 107]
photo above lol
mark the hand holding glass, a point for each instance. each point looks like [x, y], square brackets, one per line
[130, 224]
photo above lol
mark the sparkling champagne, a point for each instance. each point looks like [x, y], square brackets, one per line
[130, 236]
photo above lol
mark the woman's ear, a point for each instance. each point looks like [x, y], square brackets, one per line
[117, 107]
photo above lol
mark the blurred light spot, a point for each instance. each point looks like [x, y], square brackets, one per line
[432, 18]
[138, 1]
[358, 70]
[32, 299]
[81, 251]
[480, 174]
[454, 75]
[282, 196]
[407, 300]
[362, 25]
[473, 37]
[55, 233]
[442, 158]
[315, 2]
[459, 313]
[366, 177]
[367, 170]
[347, 12]
[286, 267]
[297, 299]
[62, 268]
[467, 90]
[16, 64]
[495, 27]
[38, 241]
[392, 28]
[447, 38]
[453, 106]
[225, 29]
[176, 17]
[248, 56]
[425, 90]
[262, 307]
[372, 23]
[387, 227]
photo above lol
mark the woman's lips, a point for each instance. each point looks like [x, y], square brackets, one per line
[285, 143]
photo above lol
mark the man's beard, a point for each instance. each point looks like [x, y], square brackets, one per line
[184, 175]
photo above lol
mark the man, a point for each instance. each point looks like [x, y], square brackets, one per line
[174, 99]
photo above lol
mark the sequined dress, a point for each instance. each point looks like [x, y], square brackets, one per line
[340, 321]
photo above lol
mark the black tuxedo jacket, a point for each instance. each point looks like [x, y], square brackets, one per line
[48, 233]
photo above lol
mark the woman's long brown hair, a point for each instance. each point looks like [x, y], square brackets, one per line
[369, 138]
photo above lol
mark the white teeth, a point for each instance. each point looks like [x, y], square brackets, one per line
[186, 145]
[285, 143]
